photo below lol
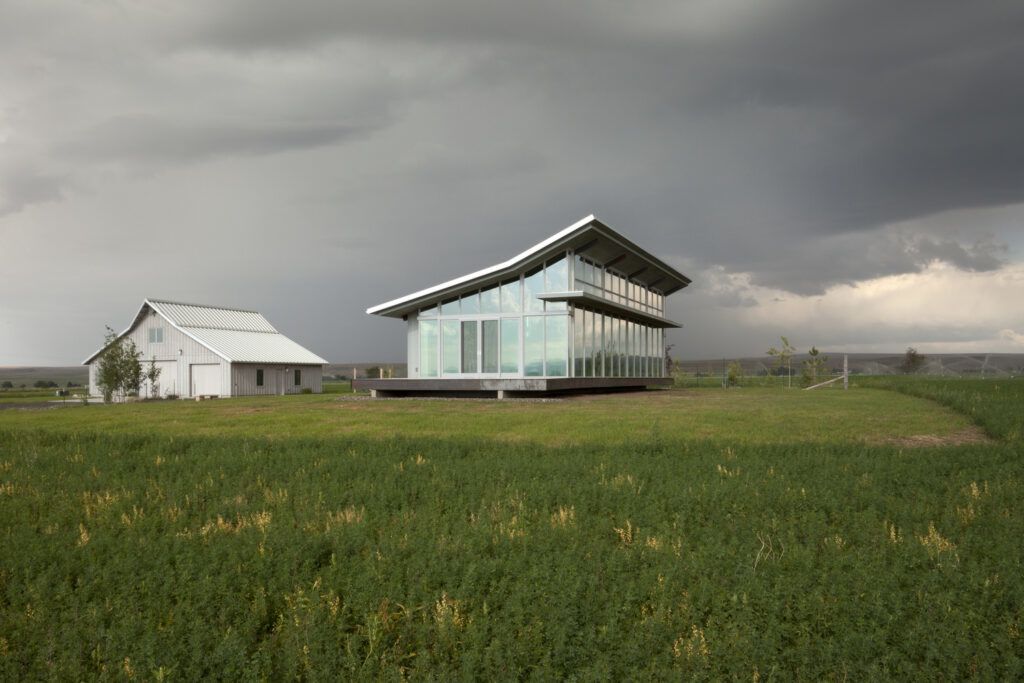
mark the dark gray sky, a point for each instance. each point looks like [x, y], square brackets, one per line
[848, 173]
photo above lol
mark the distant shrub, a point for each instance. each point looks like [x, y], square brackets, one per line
[170, 397]
[307, 390]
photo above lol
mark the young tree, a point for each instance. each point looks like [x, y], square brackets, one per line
[8, 384]
[784, 357]
[118, 369]
[912, 361]
[153, 376]
[814, 367]
[734, 373]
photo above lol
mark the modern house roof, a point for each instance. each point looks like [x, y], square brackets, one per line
[236, 335]
[588, 237]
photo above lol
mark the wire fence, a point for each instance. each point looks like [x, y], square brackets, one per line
[803, 370]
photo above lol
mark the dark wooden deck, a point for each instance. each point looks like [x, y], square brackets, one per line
[505, 388]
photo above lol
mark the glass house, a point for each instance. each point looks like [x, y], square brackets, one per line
[584, 309]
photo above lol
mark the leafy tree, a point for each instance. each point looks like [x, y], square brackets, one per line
[734, 373]
[44, 384]
[372, 372]
[814, 367]
[7, 384]
[118, 370]
[912, 361]
[153, 376]
[784, 357]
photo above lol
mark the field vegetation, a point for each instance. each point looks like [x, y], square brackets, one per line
[754, 534]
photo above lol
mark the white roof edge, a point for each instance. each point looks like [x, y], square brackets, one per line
[540, 246]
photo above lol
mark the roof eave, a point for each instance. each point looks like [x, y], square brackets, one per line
[396, 308]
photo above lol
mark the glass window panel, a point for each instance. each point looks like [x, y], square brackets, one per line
[620, 340]
[469, 333]
[471, 303]
[450, 351]
[587, 322]
[489, 345]
[556, 279]
[428, 348]
[556, 275]
[533, 345]
[490, 300]
[609, 347]
[533, 284]
[630, 366]
[429, 313]
[511, 301]
[557, 345]
[578, 346]
[659, 363]
[450, 307]
[645, 336]
[635, 350]
[510, 345]
[623, 349]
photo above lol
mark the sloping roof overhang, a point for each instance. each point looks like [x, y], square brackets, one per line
[588, 236]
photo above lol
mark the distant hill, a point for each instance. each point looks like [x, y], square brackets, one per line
[78, 374]
[949, 364]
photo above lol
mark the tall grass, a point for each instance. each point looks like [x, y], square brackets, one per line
[997, 405]
[186, 558]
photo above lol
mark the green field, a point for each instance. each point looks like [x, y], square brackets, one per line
[754, 534]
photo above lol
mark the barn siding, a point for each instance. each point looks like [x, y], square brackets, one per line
[243, 379]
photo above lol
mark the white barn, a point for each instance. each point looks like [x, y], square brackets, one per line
[215, 351]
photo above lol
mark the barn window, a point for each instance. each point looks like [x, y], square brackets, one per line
[298, 377]
[259, 377]
[156, 335]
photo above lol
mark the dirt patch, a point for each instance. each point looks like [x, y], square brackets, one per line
[963, 437]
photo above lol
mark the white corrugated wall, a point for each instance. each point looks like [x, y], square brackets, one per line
[243, 379]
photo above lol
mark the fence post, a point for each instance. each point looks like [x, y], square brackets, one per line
[353, 383]
[846, 372]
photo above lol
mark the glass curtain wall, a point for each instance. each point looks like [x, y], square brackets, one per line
[606, 346]
[503, 329]
[500, 329]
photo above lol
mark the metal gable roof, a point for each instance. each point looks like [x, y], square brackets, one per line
[577, 235]
[236, 335]
[212, 317]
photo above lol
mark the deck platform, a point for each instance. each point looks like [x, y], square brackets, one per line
[505, 388]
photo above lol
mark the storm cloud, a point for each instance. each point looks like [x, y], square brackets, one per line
[779, 150]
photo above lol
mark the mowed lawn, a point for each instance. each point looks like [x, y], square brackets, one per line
[748, 534]
[749, 415]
